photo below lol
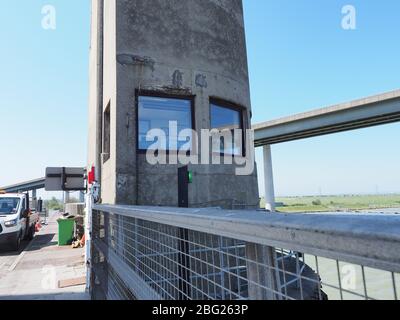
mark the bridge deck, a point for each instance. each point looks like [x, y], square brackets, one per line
[371, 111]
[26, 186]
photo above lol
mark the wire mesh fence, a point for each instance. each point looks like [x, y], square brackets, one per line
[138, 259]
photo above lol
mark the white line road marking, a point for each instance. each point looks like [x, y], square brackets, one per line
[5, 260]
[21, 255]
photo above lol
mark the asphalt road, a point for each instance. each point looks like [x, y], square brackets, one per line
[34, 272]
[9, 257]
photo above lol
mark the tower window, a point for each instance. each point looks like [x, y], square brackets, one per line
[106, 134]
[164, 114]
[227, 119]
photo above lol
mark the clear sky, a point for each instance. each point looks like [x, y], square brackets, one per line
[43, 88]
[300, 58]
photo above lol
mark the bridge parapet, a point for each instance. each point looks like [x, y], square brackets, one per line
[173, 253]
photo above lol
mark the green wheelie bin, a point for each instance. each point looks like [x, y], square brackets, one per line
[65, 231]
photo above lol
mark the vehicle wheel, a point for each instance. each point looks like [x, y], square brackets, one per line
[17, 244]
[31, 233]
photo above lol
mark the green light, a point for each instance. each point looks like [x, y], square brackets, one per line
[190, 176]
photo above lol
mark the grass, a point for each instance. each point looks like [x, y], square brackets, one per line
[337, 203]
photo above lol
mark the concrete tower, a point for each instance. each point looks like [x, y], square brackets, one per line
[158, 60]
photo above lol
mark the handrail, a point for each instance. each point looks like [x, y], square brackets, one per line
[369, 240]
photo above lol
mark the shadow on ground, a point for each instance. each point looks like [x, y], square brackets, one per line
[39, 242]
[6, 251]
[42, 241]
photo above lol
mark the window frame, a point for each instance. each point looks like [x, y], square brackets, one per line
[106, 134]
[158, 94]
[242, 112]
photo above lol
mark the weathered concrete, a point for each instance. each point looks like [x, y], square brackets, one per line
[75, 209]
[185, 48]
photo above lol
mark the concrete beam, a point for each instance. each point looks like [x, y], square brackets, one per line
[362, 113]
[26, 186]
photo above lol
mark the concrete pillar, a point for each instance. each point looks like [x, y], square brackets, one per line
[81, 197]
[66, 197]
[33, 202]
[269, 180]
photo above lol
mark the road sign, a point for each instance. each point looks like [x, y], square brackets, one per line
[65, 179]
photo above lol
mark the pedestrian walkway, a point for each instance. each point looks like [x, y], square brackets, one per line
[35, 273]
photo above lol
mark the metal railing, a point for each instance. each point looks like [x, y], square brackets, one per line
[210, 254]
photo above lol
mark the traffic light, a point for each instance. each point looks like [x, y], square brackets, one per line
[190, 176]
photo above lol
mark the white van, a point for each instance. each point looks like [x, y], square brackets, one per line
[17, 222]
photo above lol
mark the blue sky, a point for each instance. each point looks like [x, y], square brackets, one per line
[299, 57]
[43, 88]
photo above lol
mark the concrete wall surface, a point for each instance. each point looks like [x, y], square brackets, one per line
[192, 48]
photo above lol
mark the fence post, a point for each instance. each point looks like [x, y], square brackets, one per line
[99, 262]
[107, 242]
[184, 265]
[262, 272]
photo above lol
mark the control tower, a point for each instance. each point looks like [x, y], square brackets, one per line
[153, 62]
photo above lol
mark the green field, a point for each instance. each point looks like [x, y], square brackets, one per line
[336, 203]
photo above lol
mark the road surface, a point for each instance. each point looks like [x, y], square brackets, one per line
[34, 272]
